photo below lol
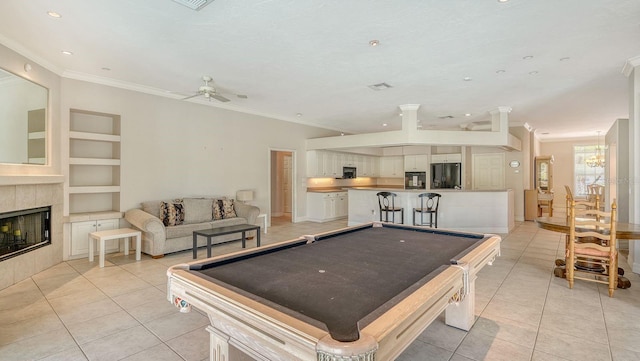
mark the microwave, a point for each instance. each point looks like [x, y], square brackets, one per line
[348, 172]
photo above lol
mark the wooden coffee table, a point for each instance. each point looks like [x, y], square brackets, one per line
[214, 232]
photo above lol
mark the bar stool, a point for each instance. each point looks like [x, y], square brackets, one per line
[432, 201]
[386, 201]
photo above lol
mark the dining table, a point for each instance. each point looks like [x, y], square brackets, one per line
[628, 231]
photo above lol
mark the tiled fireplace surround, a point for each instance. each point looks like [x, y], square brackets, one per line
[15, 197]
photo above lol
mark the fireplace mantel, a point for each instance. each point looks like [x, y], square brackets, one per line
[24, 179]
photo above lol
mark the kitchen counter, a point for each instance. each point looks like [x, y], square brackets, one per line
[488, 211]
[344, 189]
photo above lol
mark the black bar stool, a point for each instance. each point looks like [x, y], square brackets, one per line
[428, 205]
[386, 201]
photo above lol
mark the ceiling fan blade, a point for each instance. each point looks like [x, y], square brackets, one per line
[219, 97]
[191, 96]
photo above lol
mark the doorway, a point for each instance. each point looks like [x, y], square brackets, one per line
[282, 187]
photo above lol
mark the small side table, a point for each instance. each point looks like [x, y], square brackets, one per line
[264, 221]
[102, 236]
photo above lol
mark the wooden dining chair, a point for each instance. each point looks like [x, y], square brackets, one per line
[595, 192]
[591, 253]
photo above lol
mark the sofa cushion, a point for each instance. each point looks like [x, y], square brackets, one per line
[172, 213]
[152, 207]
[197, 210]
[184, 230]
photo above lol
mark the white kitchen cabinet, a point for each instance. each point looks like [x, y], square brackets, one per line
[80, 235]
[446, 158]
[392, 167]
[416, 163]
[327, 206]
[323, 164]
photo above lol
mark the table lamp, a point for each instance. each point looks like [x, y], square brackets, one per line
[244, 196]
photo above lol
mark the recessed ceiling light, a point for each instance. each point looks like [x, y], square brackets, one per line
[467, 114]
[528, 57]
[374, 43]
[54, 14]
[503, 1]
[565, 58]
[466, 78]
[500, 71]
[384, 124]
[342, 134]
[65, 52]
[298, 115]
[533, 72]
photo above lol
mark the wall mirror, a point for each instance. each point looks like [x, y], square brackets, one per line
[23, 114]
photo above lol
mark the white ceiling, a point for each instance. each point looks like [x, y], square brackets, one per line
[313, 58]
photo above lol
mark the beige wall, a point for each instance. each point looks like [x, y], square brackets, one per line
[174, 148]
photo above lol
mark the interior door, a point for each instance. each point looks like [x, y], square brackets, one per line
[488, 171]
[286, 182]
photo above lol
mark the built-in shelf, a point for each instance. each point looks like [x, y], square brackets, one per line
[94, 189]
[99, 137]
[93, 216]
[36, 135]
[94, 161]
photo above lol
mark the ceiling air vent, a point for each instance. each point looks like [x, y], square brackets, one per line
[380, 86]
[446, 117]
[194, 4]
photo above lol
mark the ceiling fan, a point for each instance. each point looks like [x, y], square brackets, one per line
[210, 92]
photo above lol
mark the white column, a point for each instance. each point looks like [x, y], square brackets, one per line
[632, 71]
[409, 116]
[500, 118]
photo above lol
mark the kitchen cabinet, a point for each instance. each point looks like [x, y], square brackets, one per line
[416, 163]
[323, 164]
[446, 158]
[80, 235]
[327, 206]
[392, 167]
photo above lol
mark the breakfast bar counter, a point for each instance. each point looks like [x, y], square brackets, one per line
[490, 211]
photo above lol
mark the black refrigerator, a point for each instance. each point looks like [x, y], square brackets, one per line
[446, 175]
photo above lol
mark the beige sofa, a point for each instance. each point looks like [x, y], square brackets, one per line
[159, 239]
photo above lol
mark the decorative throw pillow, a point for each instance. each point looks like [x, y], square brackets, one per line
[172, 213]
[223, 209]
[228, 210]
[217, 209]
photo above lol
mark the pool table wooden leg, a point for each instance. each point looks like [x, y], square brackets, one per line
[461, 314]
[218, 345]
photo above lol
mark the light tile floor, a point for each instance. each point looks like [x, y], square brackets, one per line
[78, 311]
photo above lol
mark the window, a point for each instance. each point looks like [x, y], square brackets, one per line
[583, 174]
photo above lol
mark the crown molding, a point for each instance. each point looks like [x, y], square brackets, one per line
[30, 56]
[629, 65]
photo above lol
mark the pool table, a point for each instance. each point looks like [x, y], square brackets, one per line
[358, 293]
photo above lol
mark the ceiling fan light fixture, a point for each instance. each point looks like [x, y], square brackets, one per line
[380, 86]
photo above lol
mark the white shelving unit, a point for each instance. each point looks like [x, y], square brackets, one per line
[93, 179]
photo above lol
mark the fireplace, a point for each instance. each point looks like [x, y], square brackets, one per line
[24, 231]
